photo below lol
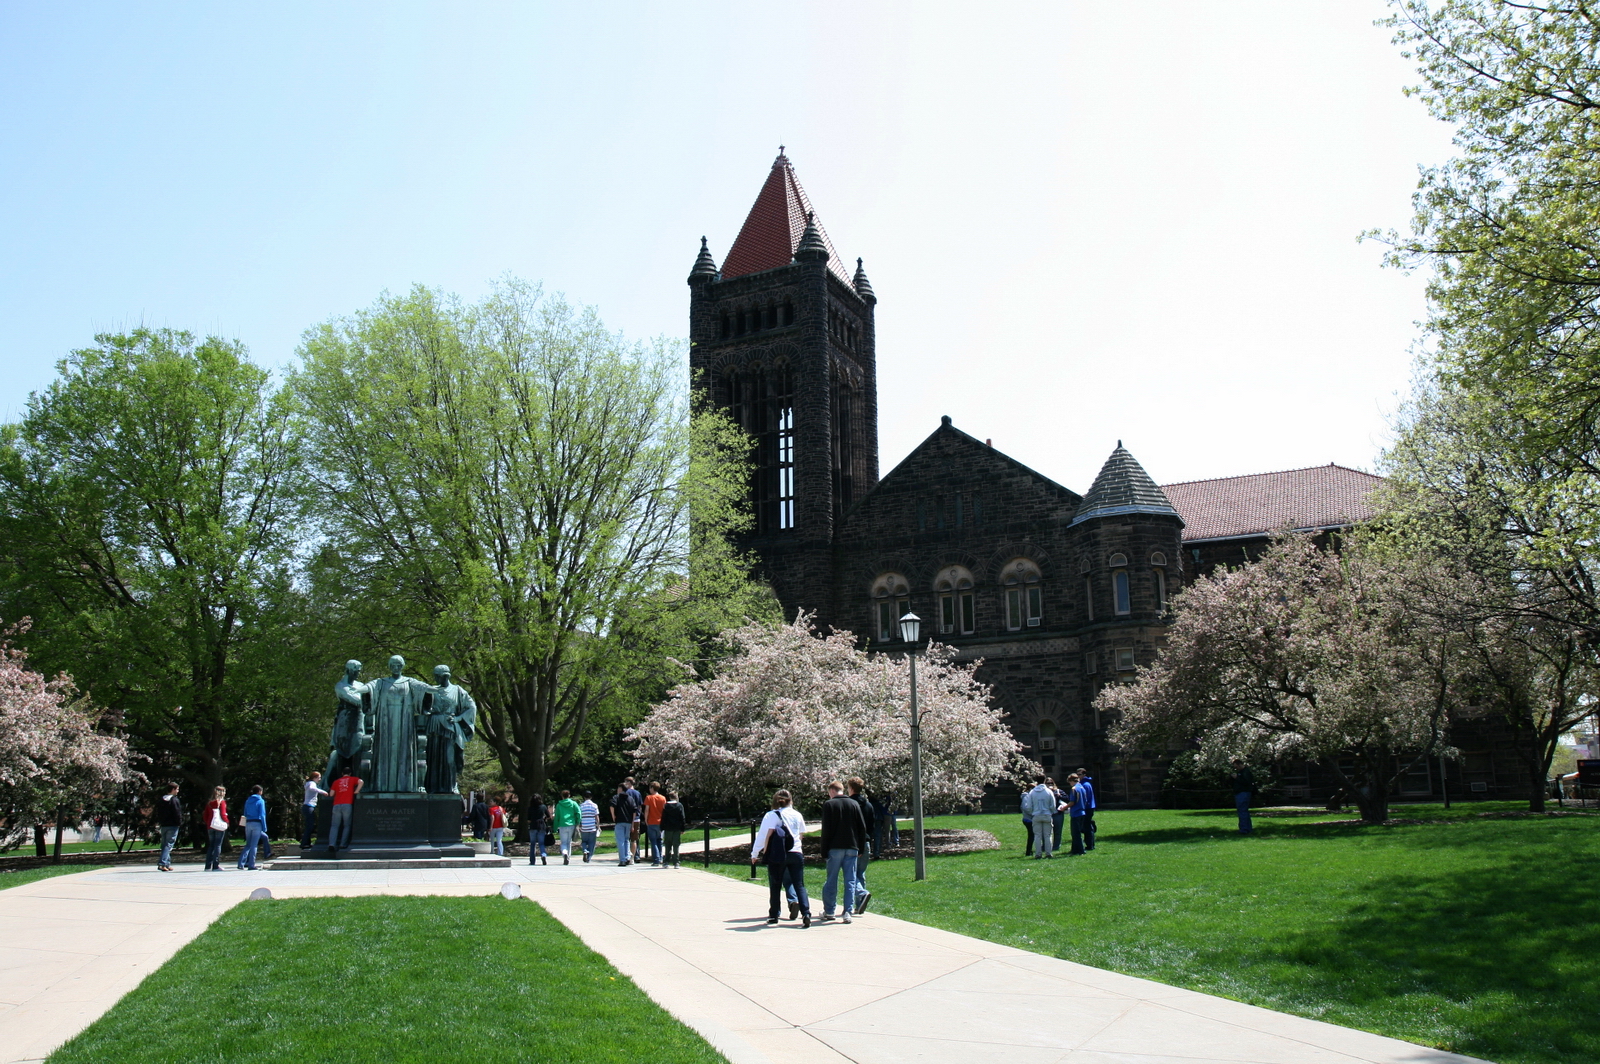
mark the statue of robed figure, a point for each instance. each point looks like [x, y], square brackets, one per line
[452, 718]
[397, 709]
[349, 745]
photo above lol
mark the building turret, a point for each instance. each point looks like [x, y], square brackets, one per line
[705, 267]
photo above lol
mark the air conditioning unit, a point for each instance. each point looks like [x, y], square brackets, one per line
[1478, 786]
[946, 629]
[1033, 622]
[1046, 744]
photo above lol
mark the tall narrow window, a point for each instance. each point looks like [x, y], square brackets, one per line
[788, 314]
[785, 420]
[1158, 566]
[761, 400]
[1024, 596]
[1088, 598]
[891, 601]
[954, 588]
[969, 615]
[1119, 582]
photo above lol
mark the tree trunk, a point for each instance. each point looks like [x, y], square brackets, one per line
[1373, 801]
[39, 849]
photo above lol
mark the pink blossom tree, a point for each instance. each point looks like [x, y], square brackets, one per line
[790, 707]
[52, 751]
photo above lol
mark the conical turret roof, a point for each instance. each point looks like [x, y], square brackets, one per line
[1123, 487]
[772, 230]
[704, 264]
[864, 286]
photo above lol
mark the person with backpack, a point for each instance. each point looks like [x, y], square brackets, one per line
[674, 822]
[622, 823]
[538, 813]
[497, 828]
[778, 846]
[215, 818]
[567, 818]
[169, 815]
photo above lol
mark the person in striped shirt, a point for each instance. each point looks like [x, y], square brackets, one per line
[588, 824]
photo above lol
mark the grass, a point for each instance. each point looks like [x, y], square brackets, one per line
[1464, 932]
[386, 980]
[30, 875]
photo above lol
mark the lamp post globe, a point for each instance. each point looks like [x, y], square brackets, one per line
[910, 632]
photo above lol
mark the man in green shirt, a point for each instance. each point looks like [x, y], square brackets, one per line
[566, 824]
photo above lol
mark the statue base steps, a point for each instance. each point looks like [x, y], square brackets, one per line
[356, 860]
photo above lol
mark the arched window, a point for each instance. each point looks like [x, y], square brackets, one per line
[891, 600]
[727, 327]
[1158, 566]
[1117, 559]
[787, 317]
[1023, 596]
[956, 613]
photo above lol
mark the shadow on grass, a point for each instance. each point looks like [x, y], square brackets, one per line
[1499, 958]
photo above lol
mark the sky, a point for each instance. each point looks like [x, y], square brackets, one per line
[1085, 222]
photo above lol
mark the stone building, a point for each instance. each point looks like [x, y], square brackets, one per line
[1058, 593]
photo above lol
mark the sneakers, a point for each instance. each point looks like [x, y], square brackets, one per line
[861, 901]
[794, 910]
[805, 919]
[566, 858]
[826, 918]
[585, 858]
[771, 920]
[622, 864]
[846, 916]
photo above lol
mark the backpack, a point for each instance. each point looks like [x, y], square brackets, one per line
[779, 843]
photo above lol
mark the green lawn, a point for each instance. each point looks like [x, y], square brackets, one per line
[386, 980]
[1463, 932]
[30, 875]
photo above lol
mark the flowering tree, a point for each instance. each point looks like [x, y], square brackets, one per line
[1305, 653]
[793, 708]
[51, 754]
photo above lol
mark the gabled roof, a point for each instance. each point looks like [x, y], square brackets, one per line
[772, 230]
[1123, 487]
[1329, 496]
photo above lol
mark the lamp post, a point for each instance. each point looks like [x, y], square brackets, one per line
[910, 631]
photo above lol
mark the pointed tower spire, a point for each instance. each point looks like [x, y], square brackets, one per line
[773, 229]
[864, 286]
[705, 267]
[1123, 487]
[812, 248]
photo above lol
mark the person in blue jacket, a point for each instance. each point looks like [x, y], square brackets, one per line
[254, 823]
[1090, 828]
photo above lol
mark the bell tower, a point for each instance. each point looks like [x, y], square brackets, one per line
[782, 337]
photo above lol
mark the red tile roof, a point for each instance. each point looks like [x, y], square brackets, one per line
[773, 228]
[1318, 497]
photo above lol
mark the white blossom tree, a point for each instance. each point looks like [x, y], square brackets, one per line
[790, 707]
[52, 753]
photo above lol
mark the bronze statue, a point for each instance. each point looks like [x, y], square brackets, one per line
[451, 719]
[350, 745]
[397, 705]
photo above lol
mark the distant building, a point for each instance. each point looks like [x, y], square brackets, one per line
[1058, 593]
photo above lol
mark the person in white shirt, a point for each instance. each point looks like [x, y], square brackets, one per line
[308, 808]
[1040, 803]
[778, 845]
[588, 825]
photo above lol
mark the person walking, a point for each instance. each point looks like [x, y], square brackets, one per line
[653, 803]
[1040, 804]
[880, 821]
[480, 818]
[674, 822]
[308, 808]
[1244, 787]
[567, 818]
[169, 816]
[638, 812]
[538, 813]
[497, 828]
[215, 818]
[344, 791]
[622, 814]
[858, 794]
[588, 825]
[254, 822]
[1090, 829]
[1058, 819]
[99, 826]
[778, 845]
[844, 835]
[1027, 823]
[1077, 813]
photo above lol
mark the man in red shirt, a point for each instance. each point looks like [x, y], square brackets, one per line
[654, 802]
[345, 789]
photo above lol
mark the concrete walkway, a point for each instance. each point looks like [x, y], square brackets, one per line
[880, 991]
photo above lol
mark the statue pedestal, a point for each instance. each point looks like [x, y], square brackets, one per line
[397, 827]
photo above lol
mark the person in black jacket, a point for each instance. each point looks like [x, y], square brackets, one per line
[480, 818]
[537, 817]
[1244, 786]
[844, 836]
[858, 793]
[169, 815]
[674, 822]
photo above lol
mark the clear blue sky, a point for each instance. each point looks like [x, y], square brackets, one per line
[1085, 222]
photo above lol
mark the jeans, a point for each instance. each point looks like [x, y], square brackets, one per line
[624, 833]
[1057, 822]
[789, 873]
[1027, 826]
[653, 834]
[253, 830]
[1090, 830]
[214, 847]
[169, 837]
[497, 841]
[861, 874]
[586, 839]
[1041, 836]
[536, 842]
[308, 817]
[564, 833]
[339, 826]
[673, 839]
[1080, 826]
[840, 859]
[1241, 801]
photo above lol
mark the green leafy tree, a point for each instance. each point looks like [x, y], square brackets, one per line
[147, 504]
[510, 488]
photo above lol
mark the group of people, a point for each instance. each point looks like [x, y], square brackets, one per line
[651, 823]
[848, 823]
[1047, 809]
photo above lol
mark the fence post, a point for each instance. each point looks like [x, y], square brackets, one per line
[754, 824]
[707, 826]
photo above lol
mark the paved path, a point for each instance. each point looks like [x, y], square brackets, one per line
[880, 991]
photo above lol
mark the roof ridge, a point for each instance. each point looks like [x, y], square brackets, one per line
[1274, 473]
